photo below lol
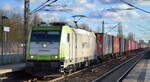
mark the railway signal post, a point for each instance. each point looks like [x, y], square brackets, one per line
[26, 24]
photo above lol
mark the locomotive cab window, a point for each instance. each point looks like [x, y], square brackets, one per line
[45, 36]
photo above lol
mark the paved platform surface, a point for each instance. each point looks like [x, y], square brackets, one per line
[11, 68]
[141, 72]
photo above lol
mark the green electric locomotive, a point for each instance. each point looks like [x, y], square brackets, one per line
[59, 49]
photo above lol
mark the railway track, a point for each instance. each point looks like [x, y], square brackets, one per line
[127, 72]
[69, 75]
[22, 76]
[83, 72]
[118, 73]
[83, 75]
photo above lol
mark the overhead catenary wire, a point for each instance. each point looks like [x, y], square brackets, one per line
[113, 28]
[57, 10]
[43, 5]
[143, 30]
[39, 7]
[140, 10]
[143, 27]
[112, 10]
[135, 6]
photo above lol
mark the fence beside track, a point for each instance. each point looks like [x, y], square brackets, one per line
[12, 53]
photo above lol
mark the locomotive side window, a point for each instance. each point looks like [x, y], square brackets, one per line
[68, 37]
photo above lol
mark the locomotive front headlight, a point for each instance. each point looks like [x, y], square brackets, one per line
[44, 45]
[56, 57]
[32, 57]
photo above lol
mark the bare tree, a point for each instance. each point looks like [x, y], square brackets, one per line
[15, 22]
[35, 20]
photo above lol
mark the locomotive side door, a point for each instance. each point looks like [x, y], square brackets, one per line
[70, 41]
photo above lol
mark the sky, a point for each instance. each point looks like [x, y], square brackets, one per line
[96, 11]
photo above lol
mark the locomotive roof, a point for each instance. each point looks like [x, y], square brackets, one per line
[46, 28]
[81, 31]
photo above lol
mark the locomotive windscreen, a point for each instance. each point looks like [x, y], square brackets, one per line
[45, 36]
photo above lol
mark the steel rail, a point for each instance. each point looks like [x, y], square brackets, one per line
[116, 68]
[128, 71]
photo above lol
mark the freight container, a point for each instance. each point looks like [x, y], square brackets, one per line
[129, 47]
[107, 44]
[99, 41]
[136, 45]
[126, 45]
[115, 44]
[104, 44]
[122, 44]
[139, 46]
[132, 45]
